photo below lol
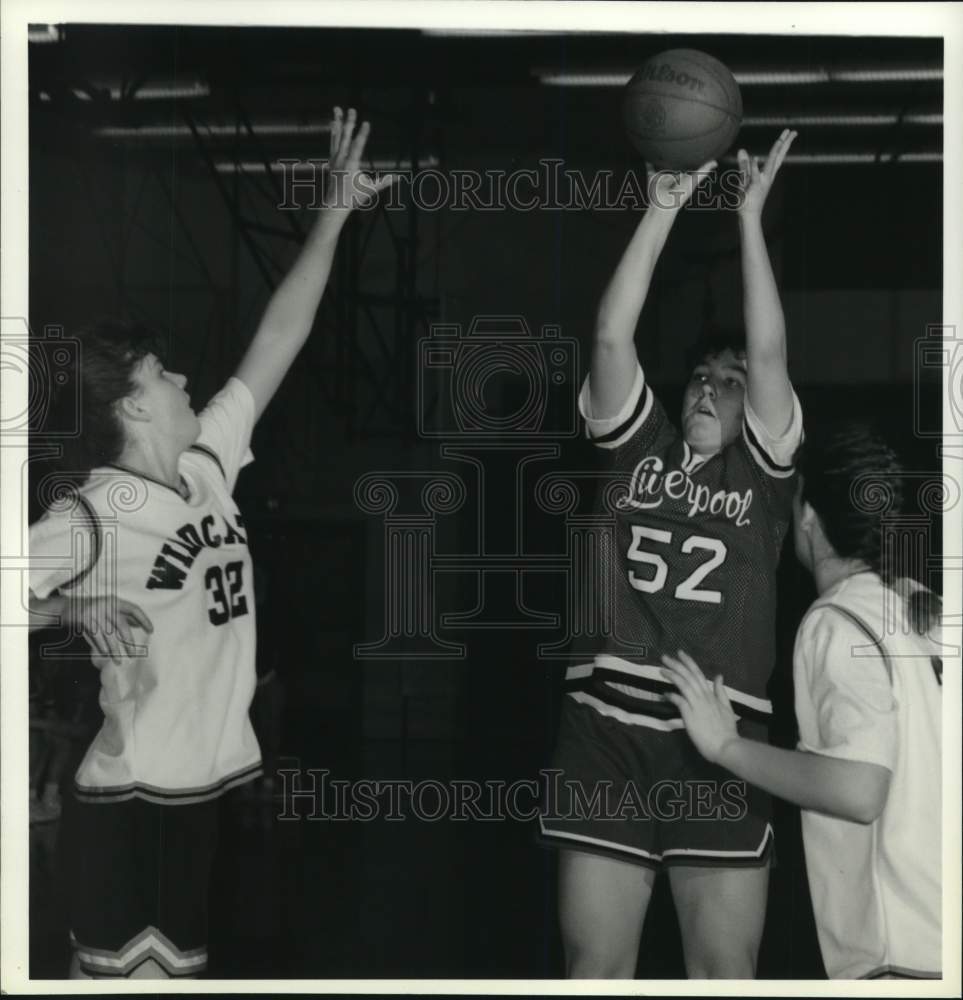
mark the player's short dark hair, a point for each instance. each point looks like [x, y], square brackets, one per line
[851, 477]
[110, 350]
[714, 341]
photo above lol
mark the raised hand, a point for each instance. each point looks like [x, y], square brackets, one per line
[755, 180]
[703, 704]
[348, 186]
[668, 190]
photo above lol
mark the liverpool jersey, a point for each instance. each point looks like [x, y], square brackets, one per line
[690, 562]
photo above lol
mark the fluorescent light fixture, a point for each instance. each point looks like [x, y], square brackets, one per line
[258, 167]
[791, 120]
[43, 34]
[835, 158]
[779, 77]
[488, 33]
[552, 79]
[159, 91]
[842, 158]
[907, 73]
[220, 131]
[926, 157]
[167, 91]
[761, 77]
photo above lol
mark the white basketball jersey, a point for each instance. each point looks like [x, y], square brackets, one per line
[176, 726]
[868, 689]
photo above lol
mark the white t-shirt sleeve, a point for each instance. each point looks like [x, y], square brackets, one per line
[844, 696]
[773, 454]
[64, 547]
[611, 432]
[227, 423]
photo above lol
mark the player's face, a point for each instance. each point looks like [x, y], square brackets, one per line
[713, 404]
[164, 395]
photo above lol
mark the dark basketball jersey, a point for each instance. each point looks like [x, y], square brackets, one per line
[691, 563]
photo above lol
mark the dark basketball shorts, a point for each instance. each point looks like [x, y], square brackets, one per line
[648, 797]
[138, 876]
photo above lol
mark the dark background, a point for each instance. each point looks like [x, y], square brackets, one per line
[149, 226]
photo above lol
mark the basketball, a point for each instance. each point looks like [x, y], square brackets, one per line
[682, 108]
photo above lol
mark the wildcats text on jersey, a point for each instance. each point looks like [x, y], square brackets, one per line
[186, 544]
[650, 486]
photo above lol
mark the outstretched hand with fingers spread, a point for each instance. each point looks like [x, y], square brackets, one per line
[755, 180]
[668, 190]
[106, 623]
[703, 704]
[348, 186]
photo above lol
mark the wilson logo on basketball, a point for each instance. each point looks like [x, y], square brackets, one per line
[666, 74]
[652, 117]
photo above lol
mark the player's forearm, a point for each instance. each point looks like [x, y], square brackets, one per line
[291, 309]
[840, 788]
[768, 388]
[45, 612]
[622, 301]
[764, 320]
[289, 316]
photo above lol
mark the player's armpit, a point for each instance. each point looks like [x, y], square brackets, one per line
[639, 409]
[774, 452]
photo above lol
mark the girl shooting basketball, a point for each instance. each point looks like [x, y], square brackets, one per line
[695, 574]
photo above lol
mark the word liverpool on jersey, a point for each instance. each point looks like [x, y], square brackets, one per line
[648, 481]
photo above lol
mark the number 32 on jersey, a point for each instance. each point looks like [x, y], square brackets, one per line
[689, 589]
[225, 591]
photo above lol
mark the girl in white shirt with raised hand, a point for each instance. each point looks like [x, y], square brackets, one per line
[868, 680]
